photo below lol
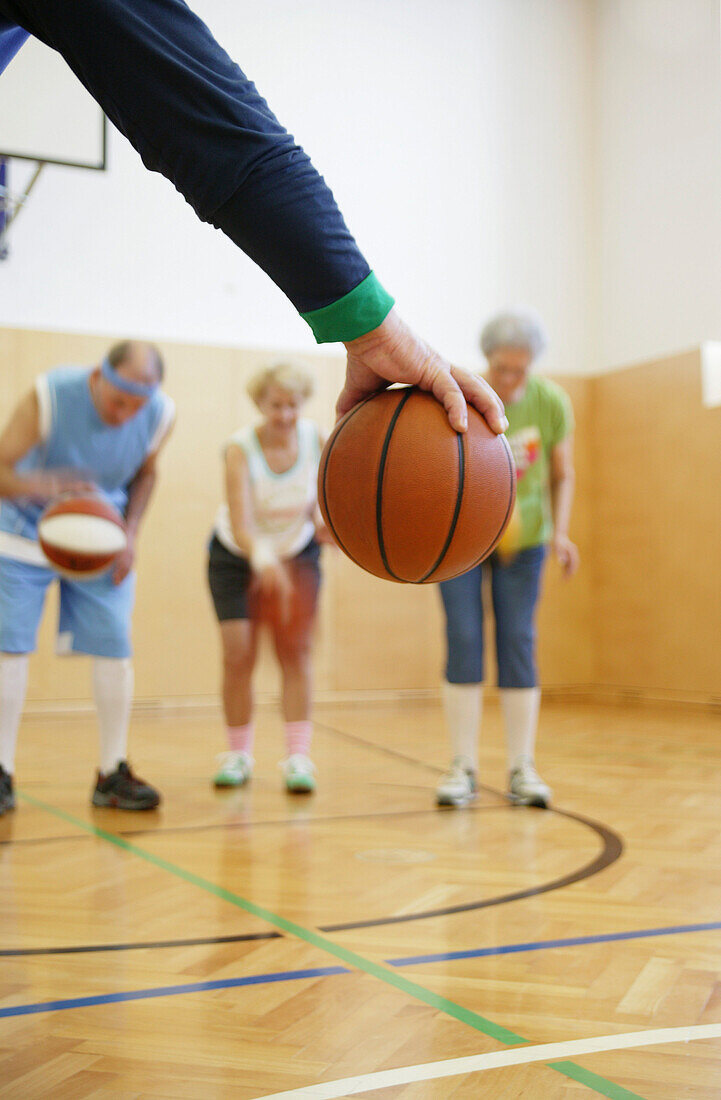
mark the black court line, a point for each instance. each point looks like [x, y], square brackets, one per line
[611, 851]
[85, 949]
[285, 821]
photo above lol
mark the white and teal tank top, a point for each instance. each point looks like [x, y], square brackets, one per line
[283, 504]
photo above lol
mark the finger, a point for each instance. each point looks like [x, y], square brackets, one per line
[352, 394]
[478, 393]
[446, 390]
[344, 403]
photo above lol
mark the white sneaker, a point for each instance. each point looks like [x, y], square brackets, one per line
[458, 786]
[235, 769]
[525, 786]
[298, 773]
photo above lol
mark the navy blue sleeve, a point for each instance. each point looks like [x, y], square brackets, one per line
[194, 116]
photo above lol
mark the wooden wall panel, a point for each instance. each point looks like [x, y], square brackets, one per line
[567, 648]
[657, 457]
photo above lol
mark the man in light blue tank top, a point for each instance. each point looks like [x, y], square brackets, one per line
[79, 428]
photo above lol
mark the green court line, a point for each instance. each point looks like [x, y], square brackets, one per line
[600, 1084]
[390, 977]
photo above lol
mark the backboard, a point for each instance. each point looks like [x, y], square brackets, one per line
[46, 114]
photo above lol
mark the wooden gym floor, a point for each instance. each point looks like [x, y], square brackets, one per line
[250, 943]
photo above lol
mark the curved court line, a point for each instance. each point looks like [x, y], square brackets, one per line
[542, 1052]
[612, 849]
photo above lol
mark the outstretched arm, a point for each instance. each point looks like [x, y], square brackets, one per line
[194, 116]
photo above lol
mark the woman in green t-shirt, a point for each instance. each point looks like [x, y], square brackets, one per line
[541, 437]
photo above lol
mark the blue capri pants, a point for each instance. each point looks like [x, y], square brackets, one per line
[515, 588]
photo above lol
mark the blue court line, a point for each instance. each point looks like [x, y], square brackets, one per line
[328, 971]
[171, 990]
[543, 945]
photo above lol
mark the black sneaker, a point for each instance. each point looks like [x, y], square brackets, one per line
[124, 791]
[7, 794]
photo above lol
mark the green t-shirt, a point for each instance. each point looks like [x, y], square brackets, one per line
[540, 420]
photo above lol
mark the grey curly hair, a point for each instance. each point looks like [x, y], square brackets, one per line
[515, 328]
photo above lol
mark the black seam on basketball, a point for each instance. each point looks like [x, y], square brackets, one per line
[331, 445]
[379, 492]
[457, 512]
[511, 502]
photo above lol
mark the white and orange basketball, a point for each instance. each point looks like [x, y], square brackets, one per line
[81, 535]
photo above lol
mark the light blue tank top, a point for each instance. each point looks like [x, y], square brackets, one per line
[75, 438]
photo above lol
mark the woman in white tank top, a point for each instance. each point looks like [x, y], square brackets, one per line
[264, 567]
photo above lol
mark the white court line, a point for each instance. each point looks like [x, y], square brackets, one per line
[541, 1052]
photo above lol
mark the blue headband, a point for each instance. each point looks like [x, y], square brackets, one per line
[137, 389]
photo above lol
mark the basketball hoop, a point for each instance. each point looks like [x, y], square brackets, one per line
[11, 202]
[46, 117]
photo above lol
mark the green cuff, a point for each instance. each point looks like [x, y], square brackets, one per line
[353, 315]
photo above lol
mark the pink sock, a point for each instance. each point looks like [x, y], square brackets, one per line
[297, 737]
[240, 738]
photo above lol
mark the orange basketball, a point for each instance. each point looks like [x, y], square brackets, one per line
[81, 536]
[409, 499]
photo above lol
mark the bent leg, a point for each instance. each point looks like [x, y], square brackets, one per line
[239, 640]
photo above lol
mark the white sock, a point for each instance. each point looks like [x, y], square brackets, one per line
[462, 705]
[520, 713]
[13, 686]
[113, 694]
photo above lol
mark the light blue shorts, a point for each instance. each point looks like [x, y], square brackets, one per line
[94, 615]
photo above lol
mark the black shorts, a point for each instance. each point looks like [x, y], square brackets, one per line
[230, 578]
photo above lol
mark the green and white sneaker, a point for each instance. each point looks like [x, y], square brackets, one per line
[298, 773]
[458, 786]
[525, 786]
[236, 768]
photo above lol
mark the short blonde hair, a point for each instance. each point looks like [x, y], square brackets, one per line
[286, 375]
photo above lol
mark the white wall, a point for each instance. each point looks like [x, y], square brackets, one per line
[456, 138]
[659, 177]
